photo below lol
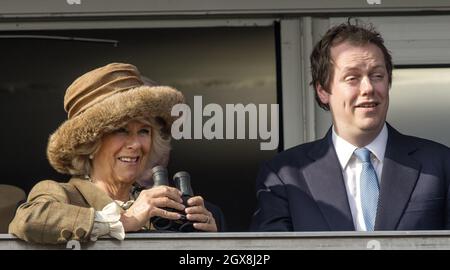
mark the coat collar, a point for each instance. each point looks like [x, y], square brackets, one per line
[94, 196]
[326, 184]
[399, 176]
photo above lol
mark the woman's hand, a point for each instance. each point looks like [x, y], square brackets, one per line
[150, 203]
[197, 213]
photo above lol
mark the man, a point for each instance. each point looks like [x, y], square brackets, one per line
[363, 175]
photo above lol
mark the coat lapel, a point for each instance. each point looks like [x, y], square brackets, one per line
[326, 184]
[399, 176]
[94, 196]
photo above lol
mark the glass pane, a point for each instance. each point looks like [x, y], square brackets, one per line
[223, 65]
[419, 103]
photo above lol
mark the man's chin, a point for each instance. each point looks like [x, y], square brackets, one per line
[371, 126]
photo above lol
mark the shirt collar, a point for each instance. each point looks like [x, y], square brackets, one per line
[344, 149]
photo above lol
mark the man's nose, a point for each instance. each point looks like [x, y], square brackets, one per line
[366, 86]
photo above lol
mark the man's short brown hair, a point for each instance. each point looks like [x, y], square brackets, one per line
[356, 34]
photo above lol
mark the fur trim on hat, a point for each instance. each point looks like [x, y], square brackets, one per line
[110, 114]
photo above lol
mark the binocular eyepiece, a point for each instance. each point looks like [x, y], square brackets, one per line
[183, 183]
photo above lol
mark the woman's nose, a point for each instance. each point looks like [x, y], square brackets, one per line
[133, 142]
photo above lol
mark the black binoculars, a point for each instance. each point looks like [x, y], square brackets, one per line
[182, 182]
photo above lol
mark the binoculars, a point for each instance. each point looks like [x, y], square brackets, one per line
[182, 181]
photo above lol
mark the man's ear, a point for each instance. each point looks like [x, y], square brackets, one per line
[323, 94]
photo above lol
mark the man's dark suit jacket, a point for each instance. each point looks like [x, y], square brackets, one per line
[302, 189]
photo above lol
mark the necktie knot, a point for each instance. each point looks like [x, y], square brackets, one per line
[363, 154]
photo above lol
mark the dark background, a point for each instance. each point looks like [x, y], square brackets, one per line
[223, 65]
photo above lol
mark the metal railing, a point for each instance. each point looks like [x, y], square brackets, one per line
[391, 240]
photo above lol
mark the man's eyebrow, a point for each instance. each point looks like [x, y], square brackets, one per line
[348, 69]
[378, 66]
[356, 68]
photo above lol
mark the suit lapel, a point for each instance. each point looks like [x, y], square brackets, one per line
[326, 184]
[398, 179]
[94, 196]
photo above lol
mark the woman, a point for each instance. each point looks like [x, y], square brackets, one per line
[117, 129]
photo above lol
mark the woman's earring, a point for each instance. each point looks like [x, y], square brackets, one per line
[91, 156]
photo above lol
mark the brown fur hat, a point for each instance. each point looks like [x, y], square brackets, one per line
[103, 100]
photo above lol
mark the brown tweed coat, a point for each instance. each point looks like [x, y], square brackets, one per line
[58, 212]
